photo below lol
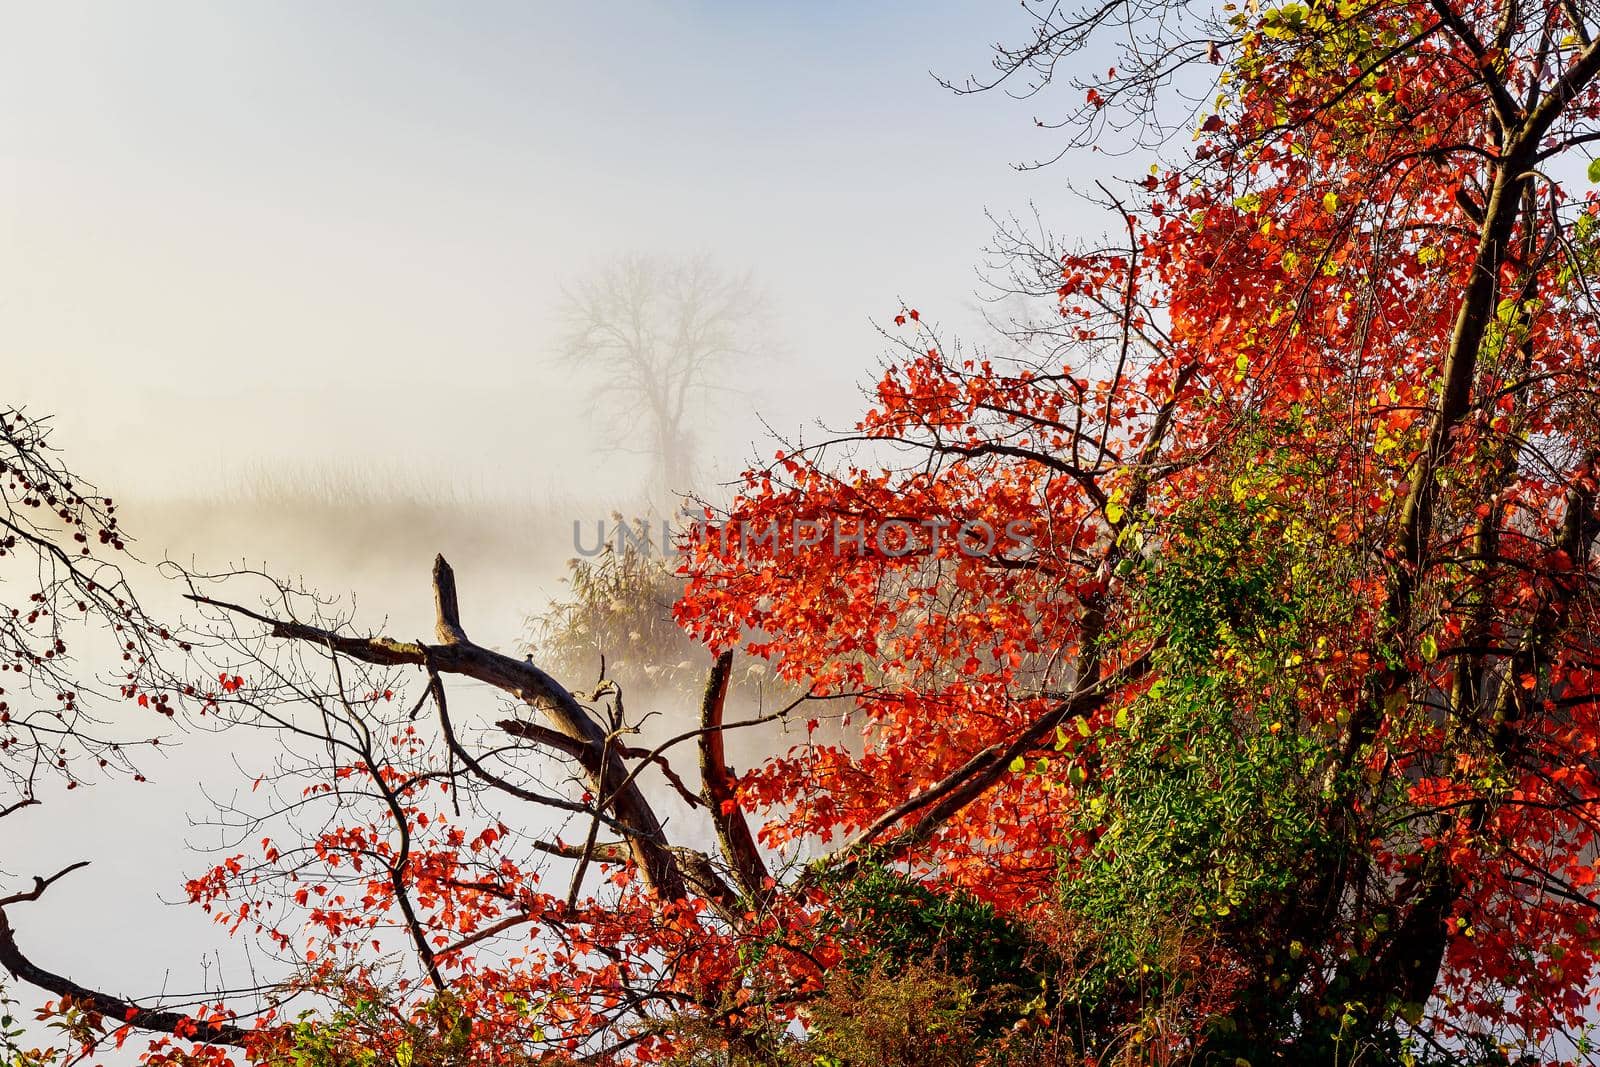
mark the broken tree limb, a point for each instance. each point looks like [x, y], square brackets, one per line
[521, 679]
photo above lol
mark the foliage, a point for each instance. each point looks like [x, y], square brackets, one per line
[616, 621]
[13, 1051]
[1198, 809]
[917, 1015]
[894, 926]
[920, 1016]
[370, 1030]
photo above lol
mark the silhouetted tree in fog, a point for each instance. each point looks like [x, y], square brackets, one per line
[657, 335]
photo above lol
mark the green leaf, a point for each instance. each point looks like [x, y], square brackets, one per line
[1594, 170]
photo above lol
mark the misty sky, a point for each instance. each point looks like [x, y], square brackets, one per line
[233, 236]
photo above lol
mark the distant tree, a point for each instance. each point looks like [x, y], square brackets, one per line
[657, 335]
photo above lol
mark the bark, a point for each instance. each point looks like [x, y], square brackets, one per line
[733, 831]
